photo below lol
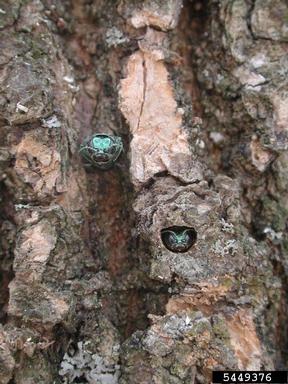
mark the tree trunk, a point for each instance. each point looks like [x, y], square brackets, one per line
[94, 287]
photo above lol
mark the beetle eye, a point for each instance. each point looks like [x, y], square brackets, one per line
[101, 150]
[186, 236]
[178, 239]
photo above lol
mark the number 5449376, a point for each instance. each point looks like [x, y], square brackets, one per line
[247, 377]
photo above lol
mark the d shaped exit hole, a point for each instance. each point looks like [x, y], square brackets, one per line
[178, 239]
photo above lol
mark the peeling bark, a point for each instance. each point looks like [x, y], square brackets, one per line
[159, 143]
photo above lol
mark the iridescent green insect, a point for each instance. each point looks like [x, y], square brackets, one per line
[101, 150]
[178, 239]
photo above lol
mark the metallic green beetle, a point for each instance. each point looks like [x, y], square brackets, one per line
[178, 239]
[101, 150]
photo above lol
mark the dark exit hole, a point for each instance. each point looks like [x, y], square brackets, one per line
[178, 239]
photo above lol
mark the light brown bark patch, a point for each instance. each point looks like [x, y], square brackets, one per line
[38, 165]
[164, 16]
[244, 340]
[34, 249]
[147, 102]
[280, 103]
[202, 299]
[261, 157]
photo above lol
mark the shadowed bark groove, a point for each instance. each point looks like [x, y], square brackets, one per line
[198, 93]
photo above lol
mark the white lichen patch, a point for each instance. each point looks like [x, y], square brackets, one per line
[51, 122]
[21, 108]
[161, 337]
[248, 77]
[276, 237]
[115, 37]
[71, 83]
[217, 137]
[89, 367]
[230, 247]
[259, 60]
[227, 227]
[68, 79]
[22, 206]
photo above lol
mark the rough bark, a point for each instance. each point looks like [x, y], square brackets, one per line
[198, 93]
